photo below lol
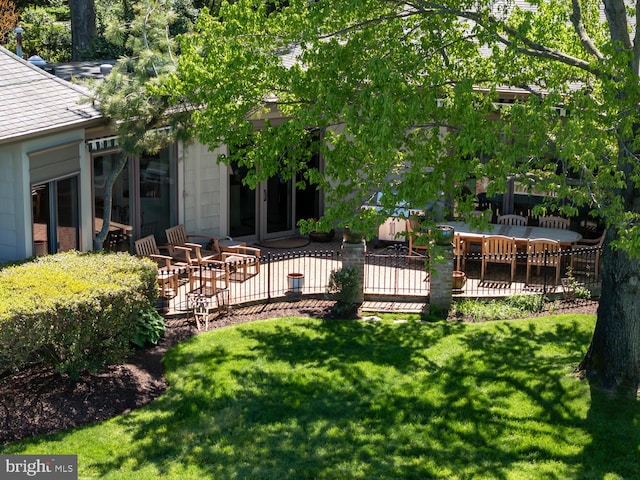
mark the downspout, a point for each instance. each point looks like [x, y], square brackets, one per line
[19, 31]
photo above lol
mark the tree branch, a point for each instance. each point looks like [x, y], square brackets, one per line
[493, 25]
[576, 20]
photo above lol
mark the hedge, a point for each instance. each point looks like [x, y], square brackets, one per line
[73, 311]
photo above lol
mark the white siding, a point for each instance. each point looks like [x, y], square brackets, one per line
[11, 204]
[16, 236]
[204, 206]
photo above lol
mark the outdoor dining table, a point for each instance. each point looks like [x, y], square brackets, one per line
[521, 233]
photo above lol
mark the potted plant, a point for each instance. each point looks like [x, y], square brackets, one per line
[319, 236]
[351, 236]
[443, 234]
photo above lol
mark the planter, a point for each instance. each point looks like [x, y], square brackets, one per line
[295, 282]
[350, 236]
[459, 279]
[322, 236]
[443, 234]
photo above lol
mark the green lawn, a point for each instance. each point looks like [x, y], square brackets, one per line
[297, 398]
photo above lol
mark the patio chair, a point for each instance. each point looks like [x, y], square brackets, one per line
[554, 222]
[168, 272]
[177, 236]
[543, 252]
[241, 258]
[459, 251]
[207, 271]
[498, 249]
[418, 241]
[518, 220]
[585, 256]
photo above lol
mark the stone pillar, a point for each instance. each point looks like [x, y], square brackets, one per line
[353, 255]
[442, 278]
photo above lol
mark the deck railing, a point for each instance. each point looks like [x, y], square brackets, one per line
[393, 274]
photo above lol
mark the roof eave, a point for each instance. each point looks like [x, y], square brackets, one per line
[85, 123]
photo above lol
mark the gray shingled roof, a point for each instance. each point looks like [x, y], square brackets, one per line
[34, 102]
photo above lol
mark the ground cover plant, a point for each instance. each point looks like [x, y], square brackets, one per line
[514, 306]
[303, 398]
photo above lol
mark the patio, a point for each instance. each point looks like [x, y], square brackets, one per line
[394, 281]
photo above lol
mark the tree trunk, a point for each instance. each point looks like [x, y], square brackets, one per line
[101, 236]
[83, 26]
[612, 361]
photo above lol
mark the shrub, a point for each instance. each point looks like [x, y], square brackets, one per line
[345, 286]
[72, 311]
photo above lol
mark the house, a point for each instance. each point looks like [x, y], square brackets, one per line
[56, 152]
[44, 168]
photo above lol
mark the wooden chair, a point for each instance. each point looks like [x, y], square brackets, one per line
[177, 236]
[204, 271]
[418, 241]
[168, 272]
[543, 252]
[513, 220]
[208, 297]
[585, 256]
[241, 258]
[498, 249]
[554, 222]
[147, 247]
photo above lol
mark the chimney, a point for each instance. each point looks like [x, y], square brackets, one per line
[19, 31]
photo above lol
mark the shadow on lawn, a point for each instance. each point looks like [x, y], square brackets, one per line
[379, 400]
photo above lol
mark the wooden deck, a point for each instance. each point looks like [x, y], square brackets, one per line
[246, 294]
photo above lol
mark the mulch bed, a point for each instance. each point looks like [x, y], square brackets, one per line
[40, 401]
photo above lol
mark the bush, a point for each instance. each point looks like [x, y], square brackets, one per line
[72, 311]
[345, 286]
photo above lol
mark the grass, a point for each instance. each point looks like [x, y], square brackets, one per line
[299, 398]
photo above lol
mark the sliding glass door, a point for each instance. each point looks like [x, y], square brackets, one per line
[275, 206]
[55, 216]
[143, 196]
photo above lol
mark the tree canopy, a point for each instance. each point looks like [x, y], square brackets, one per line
[406, 94]
[8, 18]
[414, 98]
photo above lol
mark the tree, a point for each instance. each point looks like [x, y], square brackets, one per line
[8, 18]
[140, 118]
[406, 92]
[83, 26]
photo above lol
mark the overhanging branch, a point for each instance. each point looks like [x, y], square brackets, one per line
[576, 20]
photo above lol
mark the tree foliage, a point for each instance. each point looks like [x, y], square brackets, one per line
[415, 98]
[140, 119]
[8, 18]
[385, 81]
